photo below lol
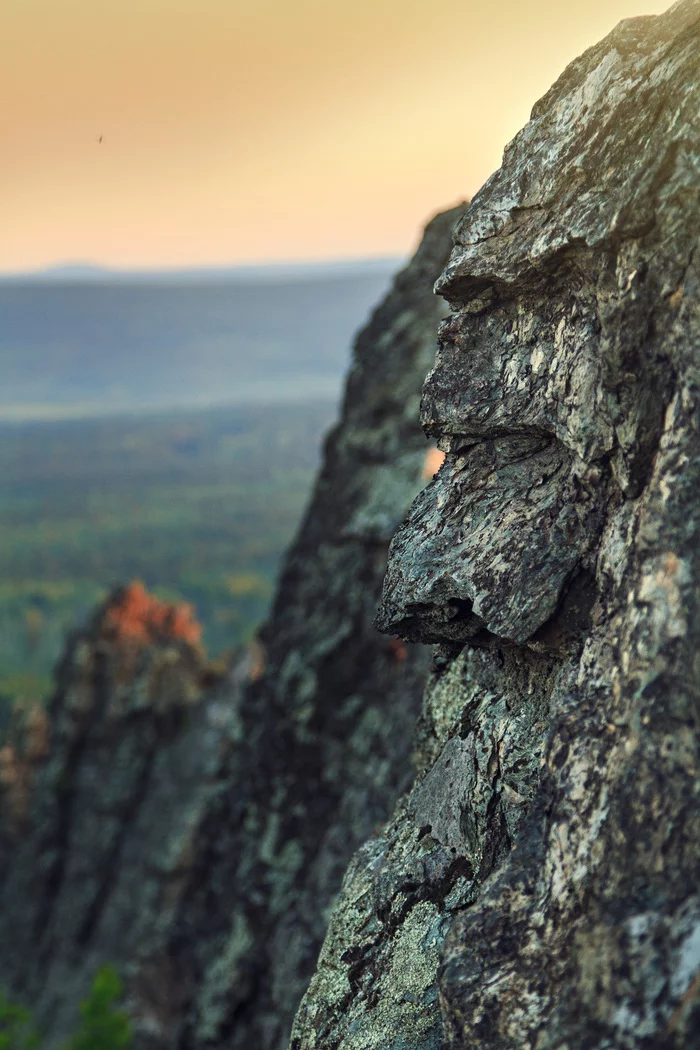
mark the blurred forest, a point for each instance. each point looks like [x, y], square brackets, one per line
[198, 504]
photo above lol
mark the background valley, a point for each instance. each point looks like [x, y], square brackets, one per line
[166, 429]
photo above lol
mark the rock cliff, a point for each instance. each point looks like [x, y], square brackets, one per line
[538, 884]
[191, 832]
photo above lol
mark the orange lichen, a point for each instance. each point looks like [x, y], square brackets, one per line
[138, 617]
[434, 459]
[257, 657]
[398, 650]
[26, 745]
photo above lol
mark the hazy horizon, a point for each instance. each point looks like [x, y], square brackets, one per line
[87, 268]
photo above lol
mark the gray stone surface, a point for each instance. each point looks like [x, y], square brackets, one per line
[538, 885]
[194, 837]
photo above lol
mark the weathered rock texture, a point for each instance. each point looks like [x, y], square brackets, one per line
[194, 837]
[538, 885]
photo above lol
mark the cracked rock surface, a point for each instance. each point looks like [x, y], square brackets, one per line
[538, 885]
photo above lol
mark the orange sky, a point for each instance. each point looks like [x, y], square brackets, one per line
[262, 130]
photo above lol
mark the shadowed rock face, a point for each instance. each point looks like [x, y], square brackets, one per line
[538, 886]
[324, 746]
[192, 836]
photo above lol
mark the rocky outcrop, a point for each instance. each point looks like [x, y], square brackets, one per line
[538, 884]
[96, 795]
[193, 833]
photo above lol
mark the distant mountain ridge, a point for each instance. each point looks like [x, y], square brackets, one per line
[257, 272]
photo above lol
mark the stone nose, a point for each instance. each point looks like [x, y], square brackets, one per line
[491, 545]
[425, 609]
[421, 599]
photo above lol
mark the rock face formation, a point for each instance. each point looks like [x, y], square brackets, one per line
[539, 884]
[192, 833]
